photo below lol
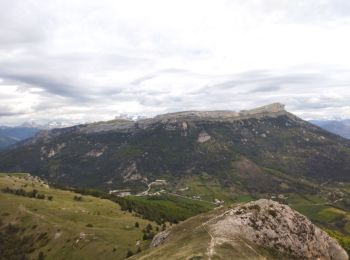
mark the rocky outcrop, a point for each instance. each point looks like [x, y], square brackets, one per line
[220, 115]
[96, 152]
[172, 121]
[160, 238]
[52, 151]
[203, 137]
[262, 229]
[269, 109]
[270, 224]
[131, 173]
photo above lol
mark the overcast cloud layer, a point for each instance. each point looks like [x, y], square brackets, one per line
[92, 60]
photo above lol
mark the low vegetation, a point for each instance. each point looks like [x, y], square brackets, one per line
[30, 194]
[64, 227]
[161, 209]
[164, 208]
[343, 240]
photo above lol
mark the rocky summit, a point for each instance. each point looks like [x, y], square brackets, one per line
[262, 229]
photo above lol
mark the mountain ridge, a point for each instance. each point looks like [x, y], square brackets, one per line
[121, 152]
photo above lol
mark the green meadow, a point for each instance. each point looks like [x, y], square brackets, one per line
[64, 227]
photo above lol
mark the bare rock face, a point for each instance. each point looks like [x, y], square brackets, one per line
[219, 115]
[270, 224]
[203, 137]
[268, 109]
[160, 238]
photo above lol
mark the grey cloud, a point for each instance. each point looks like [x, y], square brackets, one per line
[89, 59]
[56, 86]
[6, 114]
[64, 76]
[6, 111]
[138, 81]
[267, 88]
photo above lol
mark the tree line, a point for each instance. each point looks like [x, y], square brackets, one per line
[30, 194]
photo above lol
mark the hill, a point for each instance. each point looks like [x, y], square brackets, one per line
[40, 222]
[263, 229]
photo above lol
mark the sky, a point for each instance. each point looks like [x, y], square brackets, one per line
[90, 60]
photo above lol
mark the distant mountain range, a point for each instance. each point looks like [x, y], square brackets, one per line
[10, 135]
[339, 127]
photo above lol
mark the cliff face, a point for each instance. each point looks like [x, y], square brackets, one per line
[221, 115]
[271, 110]
[262, 229]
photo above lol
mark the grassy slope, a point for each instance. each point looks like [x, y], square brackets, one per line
[64, 220]
[190, 240]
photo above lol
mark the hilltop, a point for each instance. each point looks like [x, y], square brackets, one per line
[262, 229]
[41, 222]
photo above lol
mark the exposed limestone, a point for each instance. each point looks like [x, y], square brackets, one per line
[96, 152]
[270, 224]
[53, 151]
[131, 173]
[203, 137]
[160, 238]
[223, 114]
[172, 121]
[184, 126]
[272, 108]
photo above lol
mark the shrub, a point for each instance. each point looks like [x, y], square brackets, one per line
[41, 256]
[145, 237]
[78, 198]
[149, 227]
[255, 206]
[129, 253]
[41, 196]
[273, 213]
